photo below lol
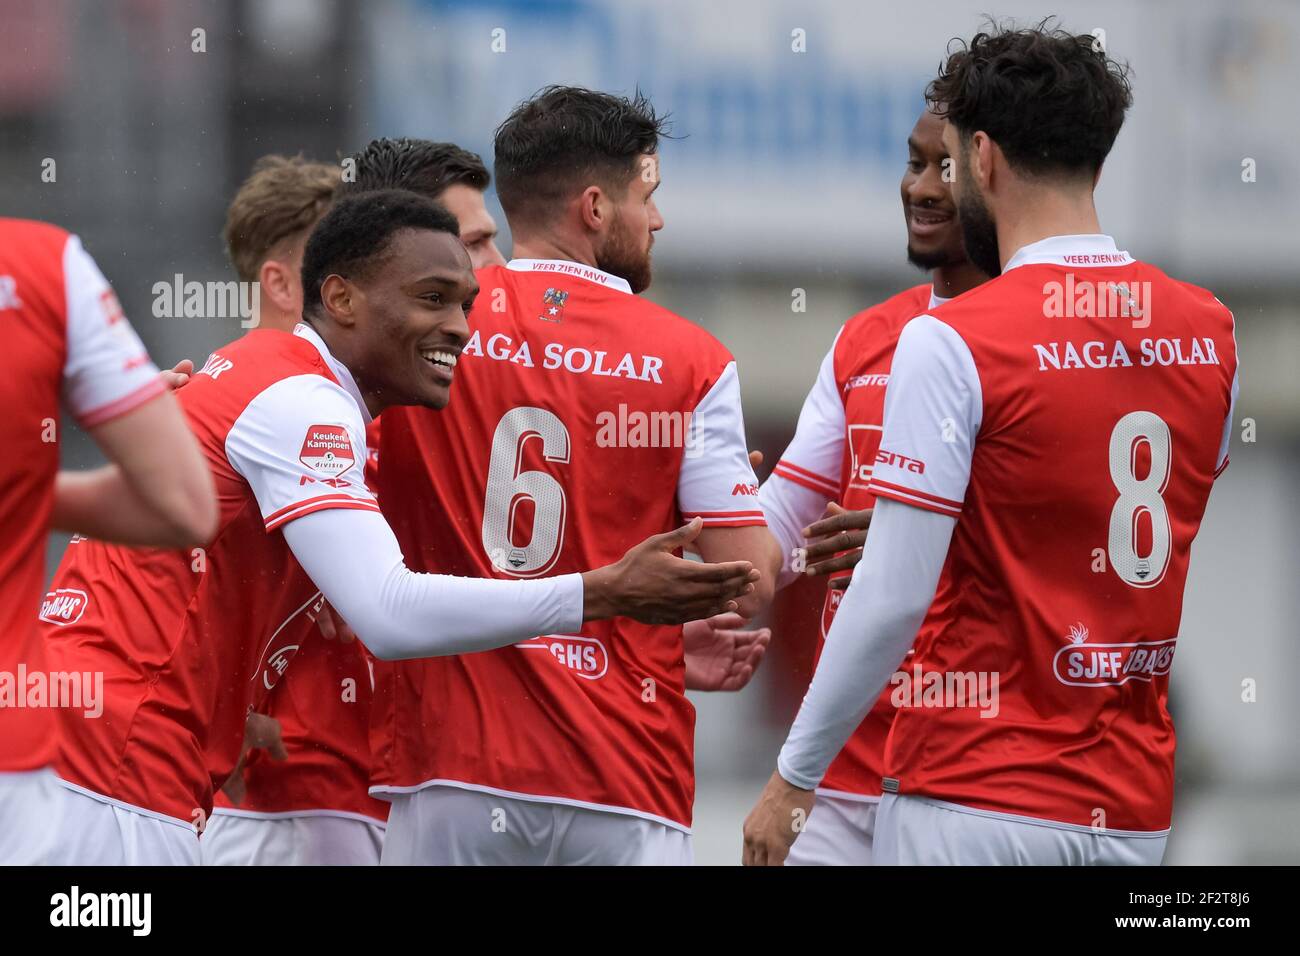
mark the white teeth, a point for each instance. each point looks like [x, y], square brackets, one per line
[442, 358]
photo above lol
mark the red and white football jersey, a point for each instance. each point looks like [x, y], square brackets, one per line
[831, 456]
[583, 420]
[1072, 414]
[189, 640]
[65, 337]
[323, 706]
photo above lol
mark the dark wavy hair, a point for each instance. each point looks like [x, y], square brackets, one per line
[420, 165]
[566, 138]
[355, 234]
[1053, 101]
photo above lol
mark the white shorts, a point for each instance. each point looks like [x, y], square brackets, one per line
[449, 826]
[918, 831]
[94, 830]
[27, 826]
[839, 832]
[318, 839]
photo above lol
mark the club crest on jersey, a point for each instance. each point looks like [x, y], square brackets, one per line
[63, 606]
[327, 449]
[553, 305]
[1080, 664]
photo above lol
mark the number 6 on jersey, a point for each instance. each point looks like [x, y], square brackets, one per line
[508, 488]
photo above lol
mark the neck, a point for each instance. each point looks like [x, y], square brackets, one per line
[554, 247]
[271, 316]
[1041, 212]
[339, 345]
[953, 280]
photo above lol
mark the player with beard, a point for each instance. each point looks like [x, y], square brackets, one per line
[299, 793]
[719, 655]
[830, 460]
[1021, 434]
[189, 642]
[589, 416]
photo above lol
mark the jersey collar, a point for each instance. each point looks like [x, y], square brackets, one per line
[337, 368]
[937, 300]
[565, 267]
[1089, 250]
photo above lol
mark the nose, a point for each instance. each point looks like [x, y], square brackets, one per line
[456, 327]
[656, 220]
[494, 256]
[928, 186]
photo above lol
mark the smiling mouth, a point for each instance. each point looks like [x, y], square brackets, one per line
[440, 358]
[930, 217]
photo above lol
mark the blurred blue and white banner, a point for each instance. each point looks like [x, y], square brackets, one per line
[793, 116]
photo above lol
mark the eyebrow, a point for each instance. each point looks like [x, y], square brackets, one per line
[444, 280]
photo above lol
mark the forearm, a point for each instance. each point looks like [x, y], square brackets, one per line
[754, 544]
[102, 504]
[401, 614]
[789, 508]
[160, 459]
[873, 630]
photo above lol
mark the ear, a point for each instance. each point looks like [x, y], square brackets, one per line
[338, 296]
[592, 209]
[983, 152]
[276, 281]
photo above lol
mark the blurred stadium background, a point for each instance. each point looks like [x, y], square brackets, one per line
[784, 178]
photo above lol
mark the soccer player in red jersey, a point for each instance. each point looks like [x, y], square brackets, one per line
[68, 343]
[1050, 442]
[189, 641]
[589, 417]
[299, 792]
[830, 459]
[719, 656]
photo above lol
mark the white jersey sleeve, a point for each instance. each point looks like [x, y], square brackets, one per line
[815, 456]
[107, 372]
[400, 614]
[808, 473]
[301, 446]
[717, 482]
[1222, 461]
[933, 410]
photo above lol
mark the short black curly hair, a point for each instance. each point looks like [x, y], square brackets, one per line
[1053, 101]
[420, 165]
[355, 234]
[566, 138]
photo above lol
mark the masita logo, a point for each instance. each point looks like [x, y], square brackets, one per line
[1080, 664]
[63, 606]
[75, 908]
[327, 449]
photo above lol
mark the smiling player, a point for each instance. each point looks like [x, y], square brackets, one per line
[1020, 444]
[831, 459]
[188, 641]
[580, 742]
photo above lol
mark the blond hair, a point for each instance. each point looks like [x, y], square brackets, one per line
[278, 203]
